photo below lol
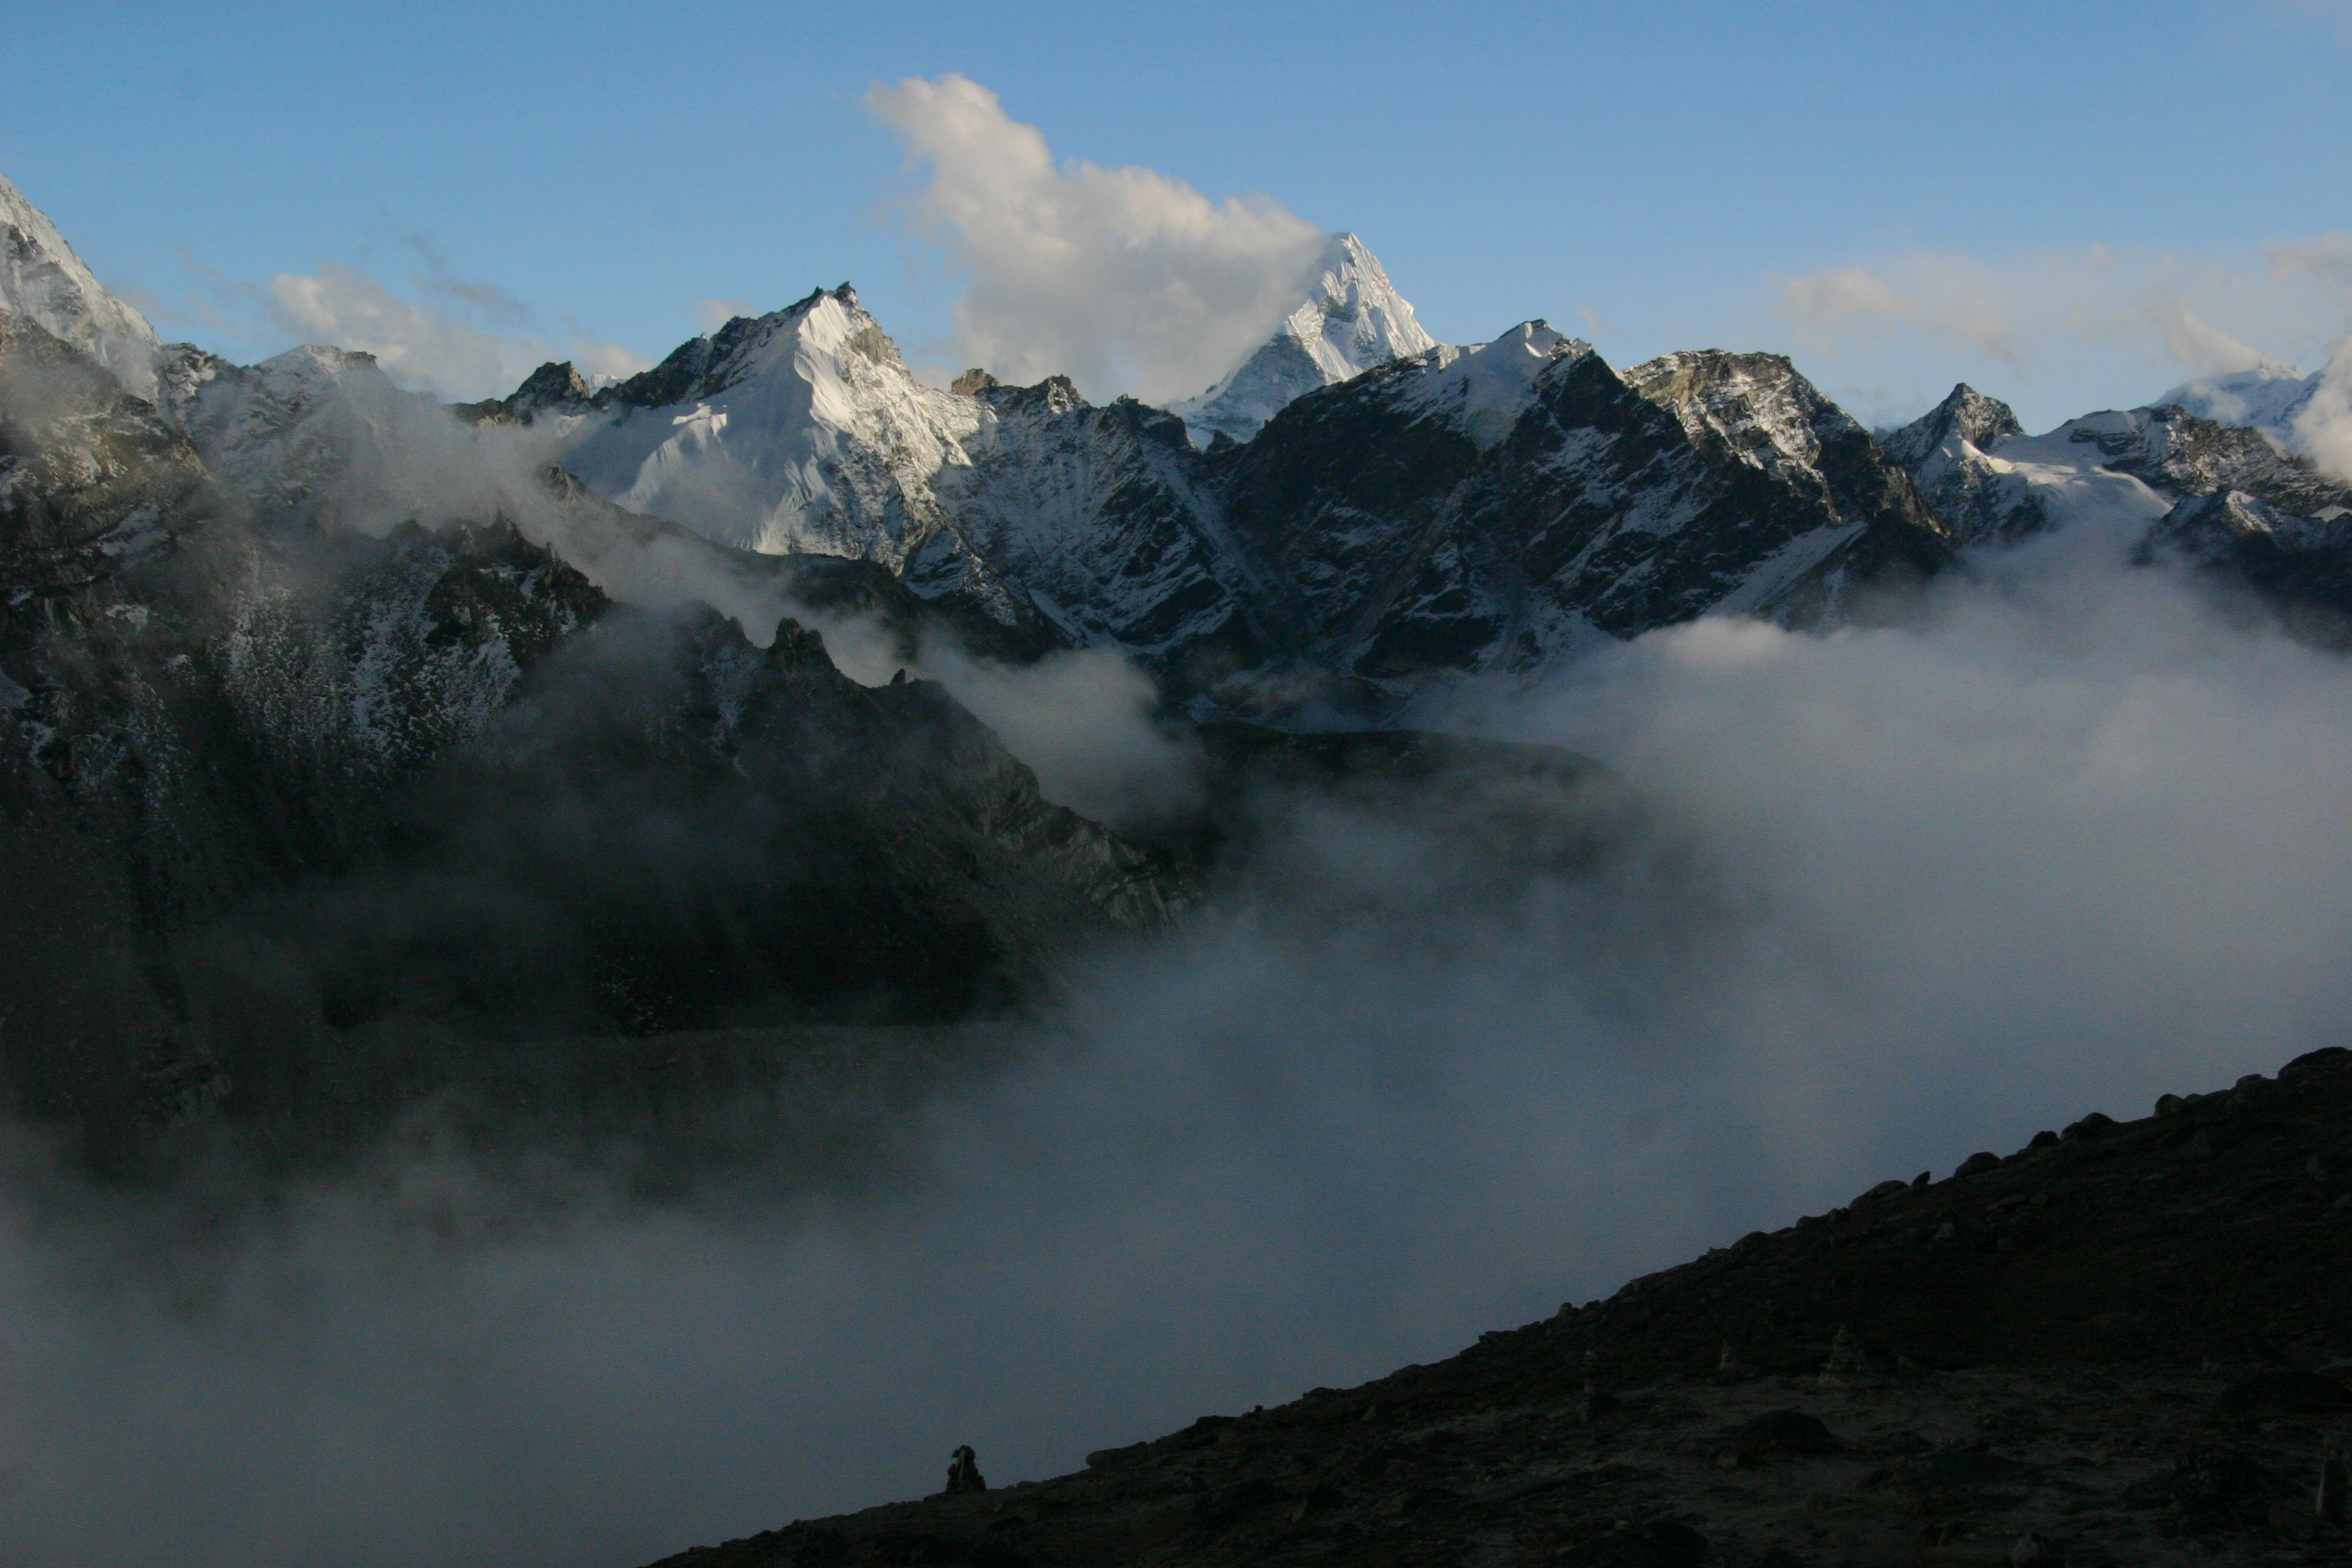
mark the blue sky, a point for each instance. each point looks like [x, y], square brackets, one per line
[2032, 197]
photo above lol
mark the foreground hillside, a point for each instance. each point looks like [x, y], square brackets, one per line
[2109, 1347]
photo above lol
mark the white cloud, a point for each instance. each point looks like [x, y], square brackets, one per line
[2323, 428]
[2200, 348]
[2084, 323]
[2327, 258]
[1942, 296]
[2053, 847]
[423, 347]
[1123, 279]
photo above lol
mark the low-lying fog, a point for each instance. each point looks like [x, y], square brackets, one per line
[2035, 852]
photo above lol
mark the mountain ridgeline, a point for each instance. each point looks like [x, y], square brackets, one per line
[1439, 514]
[350, 733]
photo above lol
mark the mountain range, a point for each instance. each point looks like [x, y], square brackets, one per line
[587, 710]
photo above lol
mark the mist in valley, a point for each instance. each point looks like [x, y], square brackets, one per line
[1883, 896]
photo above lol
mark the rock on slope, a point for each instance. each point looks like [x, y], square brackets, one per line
[2105, 1349]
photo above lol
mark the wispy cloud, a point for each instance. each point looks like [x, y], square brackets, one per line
[1954, 297]
[2037, 315]
[712, 314]
[446, 333]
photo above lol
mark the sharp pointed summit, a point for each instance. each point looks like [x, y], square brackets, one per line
[1352, 319]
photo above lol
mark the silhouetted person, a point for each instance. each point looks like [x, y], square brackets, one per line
[963, 1471]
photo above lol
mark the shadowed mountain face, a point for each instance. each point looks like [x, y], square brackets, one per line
[273, 782]
[2122, 1343]
[318, 822]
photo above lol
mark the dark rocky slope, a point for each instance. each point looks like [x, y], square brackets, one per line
[1455, 512]
[1452, 512]
[2243, 514]
[269, 781]
[2119, 1345]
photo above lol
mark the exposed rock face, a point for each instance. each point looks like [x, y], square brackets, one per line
[2173, 450]
[553, 390]
[2301, 562]
[1449, 511]
[1107, 524]
[1965, 414]
[2227, 496]
[1981, 501]
[87, 473]
[1498, 509]
[269, 778]
[1460, 511]
[2071, 1356]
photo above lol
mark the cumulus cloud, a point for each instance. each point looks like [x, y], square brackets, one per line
[1123, 279]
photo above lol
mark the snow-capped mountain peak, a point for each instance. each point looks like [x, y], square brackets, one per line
[1966, 417]
[41, 278]
[799, 430]
[2266, 398]
[1350, 319]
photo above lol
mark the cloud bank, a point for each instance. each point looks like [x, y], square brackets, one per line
[1913, 891]
[1124, 280]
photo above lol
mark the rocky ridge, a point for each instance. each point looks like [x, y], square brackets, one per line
[2122, 1344]
[276, 778]
[2149, 475]
[1225, 572]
